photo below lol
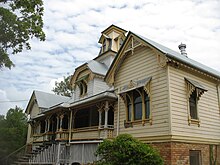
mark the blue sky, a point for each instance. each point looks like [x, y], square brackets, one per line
[73, 28]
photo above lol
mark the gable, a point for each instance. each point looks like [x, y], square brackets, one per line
[33, 108]
[131, 44]
[166, 54]
[41, 101]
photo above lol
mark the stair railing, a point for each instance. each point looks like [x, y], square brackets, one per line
[7, 160]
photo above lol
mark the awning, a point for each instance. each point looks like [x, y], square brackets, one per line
[135, 84]
[196, 84]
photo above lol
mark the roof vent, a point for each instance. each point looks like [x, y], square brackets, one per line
[182, 48]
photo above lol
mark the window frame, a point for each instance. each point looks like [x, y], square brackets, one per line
[193, 88]
[130, 96]
[104, 45]
[193, 105]
[195, 153]
[83, 88]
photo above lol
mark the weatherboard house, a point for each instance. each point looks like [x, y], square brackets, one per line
[134, 86]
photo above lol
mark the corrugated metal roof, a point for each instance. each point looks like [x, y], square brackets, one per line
[47, 100]
[97, 67]
[177, 56]
[196, 84]
[99, 96]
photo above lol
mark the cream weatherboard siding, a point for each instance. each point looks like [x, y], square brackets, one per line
[34, 112]
[142, 64]
[99, 86]
[208, 109]
[89, 91]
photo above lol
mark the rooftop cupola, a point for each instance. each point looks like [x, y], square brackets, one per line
[182, 48]
[112, 39]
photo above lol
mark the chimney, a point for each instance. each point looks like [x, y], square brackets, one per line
[182, 48]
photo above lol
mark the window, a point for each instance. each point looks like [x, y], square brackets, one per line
[104, 46]
[120, 42]
[137, 104]
[195, 157]
[194, 92]
[193, 105]
[82, 87]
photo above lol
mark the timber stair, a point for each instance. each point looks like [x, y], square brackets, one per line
[25, 159]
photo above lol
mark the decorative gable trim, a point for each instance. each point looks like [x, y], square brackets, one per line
[130, 44]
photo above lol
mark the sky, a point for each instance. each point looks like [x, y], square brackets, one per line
[73, 28]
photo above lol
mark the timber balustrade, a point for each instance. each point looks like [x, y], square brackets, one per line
[94, 132]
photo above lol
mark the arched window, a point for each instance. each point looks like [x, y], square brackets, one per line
[129, 108]
[147, 105]
[85, 87]
[81, 88]
[193, 105]
[137, 105]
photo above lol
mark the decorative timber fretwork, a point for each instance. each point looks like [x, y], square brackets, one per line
[132, 44]
[194, 85]
[141, 86]
[162, 60]
[100, 105]
[134, 84]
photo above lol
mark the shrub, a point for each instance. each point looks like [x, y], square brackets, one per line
[126, 150]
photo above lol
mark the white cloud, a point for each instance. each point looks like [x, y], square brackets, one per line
[73, 28]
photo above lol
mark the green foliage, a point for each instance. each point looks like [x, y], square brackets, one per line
[13, 131]
[64, 87]
[126, 150]
[20, 20]
[213, 159]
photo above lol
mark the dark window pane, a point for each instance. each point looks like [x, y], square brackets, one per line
[129, 108]
[195, 157]
[193, 106]
[138, 111]
[81, 88]
[104, 46]
[137, 106]
[147, 106]
[85, 87]
[121, 42]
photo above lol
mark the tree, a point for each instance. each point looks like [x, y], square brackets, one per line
[20, 20]
[13, 131]
[64, 87]
[128, 151]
